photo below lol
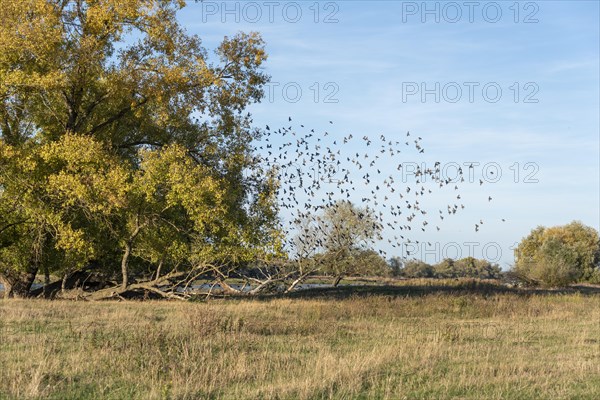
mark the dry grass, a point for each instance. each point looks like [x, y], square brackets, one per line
[436, 346]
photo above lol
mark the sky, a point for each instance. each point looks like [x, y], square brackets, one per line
[510, 87]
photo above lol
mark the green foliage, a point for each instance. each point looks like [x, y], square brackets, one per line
[445, 269]
[468, 267]
[346, 227]
[123, 145]
[358, 262]
[559, 255]
[343, 233]
[418, 269]
[396, 265]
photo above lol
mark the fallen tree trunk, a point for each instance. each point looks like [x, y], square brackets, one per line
[71, 281]
[152, 286]
[298, 280]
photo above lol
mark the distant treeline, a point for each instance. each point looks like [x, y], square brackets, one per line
[468, 267]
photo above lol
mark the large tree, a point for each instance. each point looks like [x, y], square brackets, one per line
[559, 255]
[124, 144]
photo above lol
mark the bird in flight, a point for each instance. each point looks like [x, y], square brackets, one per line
[316, 170]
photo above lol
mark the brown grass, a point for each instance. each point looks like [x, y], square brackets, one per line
[437, 346]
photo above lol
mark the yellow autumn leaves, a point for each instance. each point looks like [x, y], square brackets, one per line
[123, 145]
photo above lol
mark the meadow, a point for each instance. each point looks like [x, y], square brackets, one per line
[415, 341]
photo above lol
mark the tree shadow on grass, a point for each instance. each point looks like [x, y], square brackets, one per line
[417, 290]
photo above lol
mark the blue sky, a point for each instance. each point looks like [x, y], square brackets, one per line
[370, 57]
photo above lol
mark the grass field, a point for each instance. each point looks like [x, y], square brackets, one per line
[421, 344]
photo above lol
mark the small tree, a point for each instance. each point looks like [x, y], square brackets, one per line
[343, 233]
[347, 232]
[559, 255]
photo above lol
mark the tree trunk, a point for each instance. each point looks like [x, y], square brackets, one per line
[337, 280]
[46, 282]
[63, 282]
[68, 281]
[124, 262]
[297, 281]
[127, 253]
[160, 263]
[17, 284]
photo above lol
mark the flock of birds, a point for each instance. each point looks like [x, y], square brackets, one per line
[317, 170]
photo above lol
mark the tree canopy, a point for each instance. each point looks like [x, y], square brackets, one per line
[338, 240]
[559, 255]
[124, 145]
